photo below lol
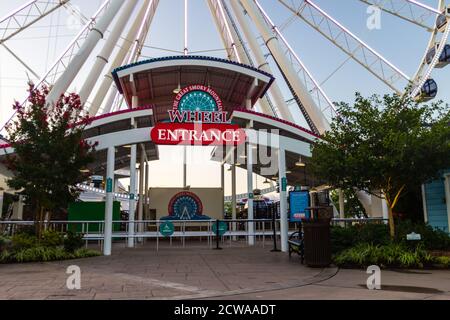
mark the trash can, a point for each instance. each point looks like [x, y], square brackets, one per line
[317, 242]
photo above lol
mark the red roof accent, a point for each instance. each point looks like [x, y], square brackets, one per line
[278, 120]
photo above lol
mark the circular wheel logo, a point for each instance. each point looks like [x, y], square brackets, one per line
[185, 206]
[197, 98]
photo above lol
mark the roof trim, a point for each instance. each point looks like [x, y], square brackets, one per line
[288, 123]
[116, 72]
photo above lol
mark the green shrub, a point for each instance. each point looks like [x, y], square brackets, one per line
[392, 255]
[5, 243]
[22, 241]
[346, 237]
[443, 261]
[373, 233]
[51, 239]
[432, 239]
[86, 253]
[342, 238]
[73, 242]
[43, 254]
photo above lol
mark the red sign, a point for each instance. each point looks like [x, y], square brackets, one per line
[202, 134]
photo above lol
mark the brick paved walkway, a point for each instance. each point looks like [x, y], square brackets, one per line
[201, 273]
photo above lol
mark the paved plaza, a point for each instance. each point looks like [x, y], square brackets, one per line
[198, 272]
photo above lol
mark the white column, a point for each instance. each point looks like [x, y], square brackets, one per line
[233, 196]
[107, 243]
[251, 225]
[261, 61]
[447, 198]
[277, 52]
[103, 57]
[84, 52]
[222, 186]
[141, 192]
[132, 201]
[146, 208]
[283, 200]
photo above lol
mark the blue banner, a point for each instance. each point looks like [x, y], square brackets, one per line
[298, 202]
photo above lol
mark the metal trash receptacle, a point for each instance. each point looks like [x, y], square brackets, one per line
[317, 242]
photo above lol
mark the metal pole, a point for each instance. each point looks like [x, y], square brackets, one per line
[283, 199]
[83, 54]
[103, 57]
[107, 244]
[217, 236]
[274, 228]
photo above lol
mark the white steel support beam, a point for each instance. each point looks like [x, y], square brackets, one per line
[121, 56]
[68, 54]
[103, 57]
[411, 11]
[218, 13]
[348, 42]
[284, 227]
[25, 16]
[107, 243]
[262, 64]
[79, 60]
[273, 45]
[265, 103]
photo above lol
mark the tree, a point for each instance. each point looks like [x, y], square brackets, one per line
[49, 152]
[384, 146]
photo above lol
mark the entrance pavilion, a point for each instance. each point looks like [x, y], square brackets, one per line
[149, 89]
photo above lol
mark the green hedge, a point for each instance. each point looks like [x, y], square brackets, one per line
[43, 254]
[391, 255]
[378, 234]
[25, 247]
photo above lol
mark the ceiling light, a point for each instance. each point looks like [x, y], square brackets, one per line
[300, 163]
[85, 170]
[266, 181]
[177, 89]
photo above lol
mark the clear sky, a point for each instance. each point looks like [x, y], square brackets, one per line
[401, 42]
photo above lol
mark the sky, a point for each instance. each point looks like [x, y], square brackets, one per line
[400, 42]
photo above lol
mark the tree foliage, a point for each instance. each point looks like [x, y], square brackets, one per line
[49, 151]
[384, 145]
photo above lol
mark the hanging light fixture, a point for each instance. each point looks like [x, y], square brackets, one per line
[266, 181]
[300, 163]
[178, 89]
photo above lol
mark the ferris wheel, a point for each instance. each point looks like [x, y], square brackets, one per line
[126, 24]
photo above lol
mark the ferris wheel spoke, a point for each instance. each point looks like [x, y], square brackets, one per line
[57, 69]
[322, 101]
[411, 11]
[25, 16]
[345, 40]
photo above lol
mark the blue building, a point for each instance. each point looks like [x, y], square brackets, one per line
[436, 202]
